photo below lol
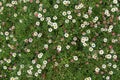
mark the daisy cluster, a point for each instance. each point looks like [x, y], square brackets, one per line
[59, 39]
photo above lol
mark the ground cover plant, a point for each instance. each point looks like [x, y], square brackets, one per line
[59, 39]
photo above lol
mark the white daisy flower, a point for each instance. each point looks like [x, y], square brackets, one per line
[109, 64]
[21, 66]
[68, 47]
[67, 21]
[39, 71]
[39, 35]
[50, 29]
[9, 61]
[97, 69]
[90, 49]
[14, 54]
[40, 55]
[88, 78]
[66, 65]
[68, 12]
[6, 33]
[46, 46]
[19, 73]
[115, 1]
[81, 5]
[0, 50]
[107, 77]
[118, 17]
[105, 40]
[101, 52]
[42, 19]
[49, 41]
[33, 61]
[39, 15]
[108, 56]
[38, 66]
[15, 15]
[45, 62]
[85, 44]
[111, 72]
[36, 74]
[56, 63]
[30, 40]
[56, 6]
[66, 35]
[12, 78]
[5, 67]
[94, 56]
[104, 66]
[114, 56]
[37, 23]
[31, 67]
[114, 66]
[73, 20]
[35, 33]
[29, 72]
[64, 13]
[55, 17]
[69, 16]
[93, 45]
[85, 16]
[88, 31]
[59, 47]
[75, 58]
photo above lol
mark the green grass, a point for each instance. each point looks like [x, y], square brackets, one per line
[81, 69]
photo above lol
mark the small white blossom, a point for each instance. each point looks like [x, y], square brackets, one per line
[55, 6]
[38, 65]
[97, 69]
[66, 35]
[46, 46]
[59, 47]
[40, 55]
[90, 49]
[68, 47]
[108, 56]
[115, 1]
[103, 66]
[50, 29]
[19, 73]
[66, 65]
[36, 74]
[45, 62]
[114, 66]
[39, 70]
[39, 15]
[75, 58]
[37, 23]
[101, 52]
